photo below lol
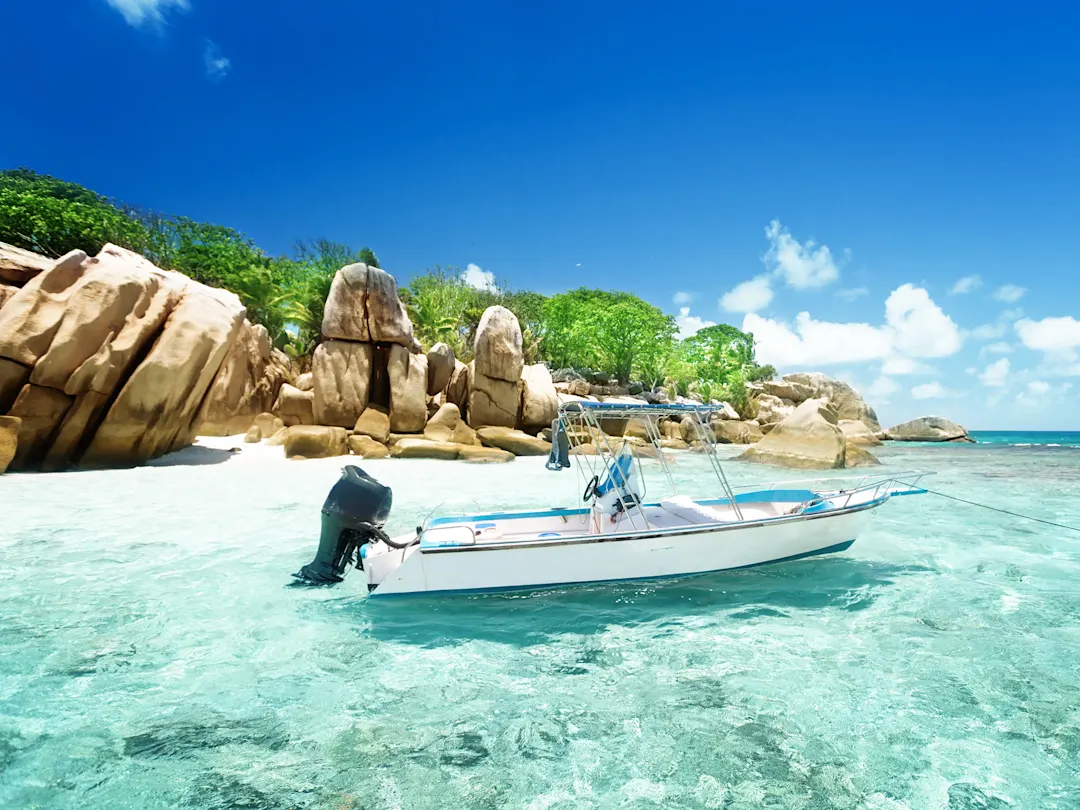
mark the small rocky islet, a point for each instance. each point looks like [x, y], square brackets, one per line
[110, 361]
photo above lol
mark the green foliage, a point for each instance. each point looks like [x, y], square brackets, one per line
[444, 309]
[51, 216]
[615, 332]
[440, 307]
[306, 279]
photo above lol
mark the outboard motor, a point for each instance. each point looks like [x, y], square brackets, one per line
[353, 514]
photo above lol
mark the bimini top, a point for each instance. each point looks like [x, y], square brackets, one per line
[633, 408]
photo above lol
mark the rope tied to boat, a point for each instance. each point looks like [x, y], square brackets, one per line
[1002, 511]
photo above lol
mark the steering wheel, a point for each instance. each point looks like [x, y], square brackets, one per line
[590, 488]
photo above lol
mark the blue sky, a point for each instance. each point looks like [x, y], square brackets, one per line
[890, 196]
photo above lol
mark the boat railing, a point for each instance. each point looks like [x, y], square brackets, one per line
[848, 488]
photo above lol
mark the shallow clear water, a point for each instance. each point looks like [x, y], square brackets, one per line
[152, 655]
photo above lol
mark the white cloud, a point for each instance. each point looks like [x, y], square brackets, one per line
[965, 285]
[919, 326]
[815, 343]
[801, 265]
[690, 324]
[999, 348]
[914, 327]
[681, 299]
[1051, 335]
[988, 331]
[479, 278]
[1038, 387]
[217, 64]
[750, 296]
[139, 12]
[1039, 393]
[904, 365]
[995, 374]
[882, 387]
[930, 390]
[852, 293]
[1009, 293]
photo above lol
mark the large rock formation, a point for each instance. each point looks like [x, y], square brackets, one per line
[108, 360]
[363, 306]
[408, 390]
[495, 373]
[18, 266]
[493, 402]
[295, 407]
[808, 439]
[341, 376]
[845, 400]
[247, 384]
[858, 433]
[928, 429]
[539, 402]
[440, 365]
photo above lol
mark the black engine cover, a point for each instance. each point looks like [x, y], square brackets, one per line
[355, 503]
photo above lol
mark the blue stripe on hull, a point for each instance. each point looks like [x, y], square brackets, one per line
[513, 588]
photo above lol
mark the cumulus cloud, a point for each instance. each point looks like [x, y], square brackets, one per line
[479, 278]
[999, 348]
[801, 265]
[1050, 335]
[1009, 293]
[815, 343]
[681, 299]
[216, 63]
[690, 324]
[919, 326]
[750, 296]
[915, 327]
[965, 285]
[930, 390]
[852, 293]
[904, 365]
[1038, 387]
[143, 12]
[995, 374]
[881, 388]
[1039, 392]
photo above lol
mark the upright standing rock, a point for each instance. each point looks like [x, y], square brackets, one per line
[363, 306]
[408, 390]
[498, 351]
[539, 402]
[495, 373]
[441, 364]
[341, 371]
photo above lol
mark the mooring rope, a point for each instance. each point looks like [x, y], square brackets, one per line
[1002, 511]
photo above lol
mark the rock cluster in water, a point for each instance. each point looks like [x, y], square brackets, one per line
[107, 361]
[111, 361]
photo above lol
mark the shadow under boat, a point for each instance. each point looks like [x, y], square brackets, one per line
[533, 617]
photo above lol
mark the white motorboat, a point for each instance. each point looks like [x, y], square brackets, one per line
[615, 536]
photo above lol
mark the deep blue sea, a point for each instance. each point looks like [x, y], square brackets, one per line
[152, 655]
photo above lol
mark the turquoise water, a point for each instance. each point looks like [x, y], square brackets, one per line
[1028, 438]
[152, 655]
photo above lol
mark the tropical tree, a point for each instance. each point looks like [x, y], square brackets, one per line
[616, 332]
[53, 217]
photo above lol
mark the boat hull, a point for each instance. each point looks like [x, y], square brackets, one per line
[613, 558]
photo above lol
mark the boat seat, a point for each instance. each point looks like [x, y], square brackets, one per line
[685, 507]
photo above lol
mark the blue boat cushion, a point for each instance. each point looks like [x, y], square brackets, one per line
[618, 473]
